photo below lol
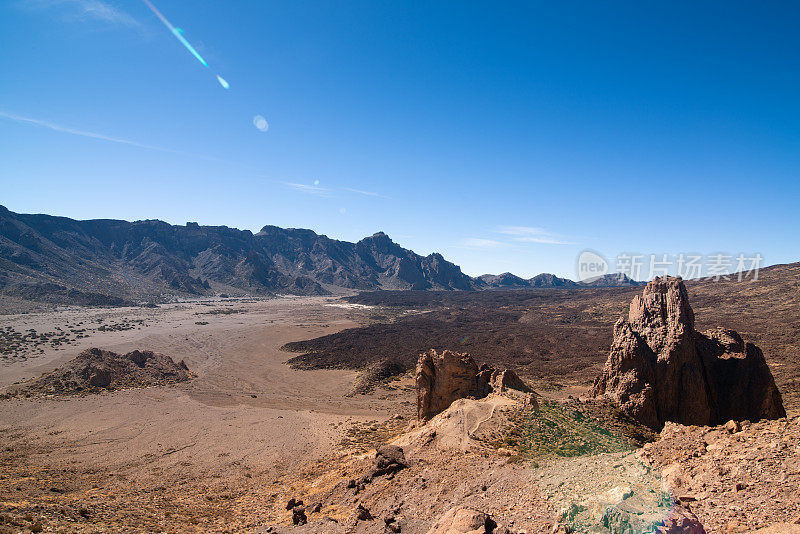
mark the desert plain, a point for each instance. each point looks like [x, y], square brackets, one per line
[184, 450]
[276, 411]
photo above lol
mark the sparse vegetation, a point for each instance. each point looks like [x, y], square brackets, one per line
[555, 429]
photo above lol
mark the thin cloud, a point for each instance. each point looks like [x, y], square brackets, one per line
[85, 10]
[318, 190]
[93, 135]
[521, 230]
[532, 234]
[309, 189]
[547, 240]
[476, 242]
[365, 193]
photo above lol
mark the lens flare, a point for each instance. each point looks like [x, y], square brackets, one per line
[178, 33]
[260, 123]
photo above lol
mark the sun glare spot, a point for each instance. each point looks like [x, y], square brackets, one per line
[260, 123]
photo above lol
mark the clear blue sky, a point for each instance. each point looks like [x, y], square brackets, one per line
[648, 127]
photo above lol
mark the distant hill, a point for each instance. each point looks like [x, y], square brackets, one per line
[611, 280]
[113, 262]
[547, 280]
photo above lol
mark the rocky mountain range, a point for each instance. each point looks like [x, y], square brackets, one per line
[512, 281]
[105, 261]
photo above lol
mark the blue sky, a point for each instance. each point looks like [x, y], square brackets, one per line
[508, 137]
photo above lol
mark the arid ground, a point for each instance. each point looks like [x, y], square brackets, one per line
[224, 451]
[186, 451]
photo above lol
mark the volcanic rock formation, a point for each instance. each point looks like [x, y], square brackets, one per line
[661, 369]
[97, 369]
[446, 377]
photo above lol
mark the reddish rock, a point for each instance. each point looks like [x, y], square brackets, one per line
[463, 520]
[741, 383]
[661, 369]
[503, 380]
[443, 378]
[449, 376]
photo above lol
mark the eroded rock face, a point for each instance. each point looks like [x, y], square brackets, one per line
[661, 369]
[449, 376]
[443, 378]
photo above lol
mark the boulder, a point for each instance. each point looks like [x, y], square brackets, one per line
[362, 514]
[680, 521]
[299, 516]
[463, 520]
[293, 503]
[388, 459]
[449, 376]
[741, 385]
[661, 369]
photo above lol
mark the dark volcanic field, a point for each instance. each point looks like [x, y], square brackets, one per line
[561, 336]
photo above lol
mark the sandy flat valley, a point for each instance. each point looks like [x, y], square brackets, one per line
[157, 457]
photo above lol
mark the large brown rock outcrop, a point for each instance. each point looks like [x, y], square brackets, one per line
[446, 377]
[661, 369]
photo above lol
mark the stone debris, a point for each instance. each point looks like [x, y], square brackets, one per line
[363, 514]
[733, 483]
[293, 502]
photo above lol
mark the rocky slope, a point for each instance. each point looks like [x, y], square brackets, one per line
[735, 478]
[502, 464]
[443, 378]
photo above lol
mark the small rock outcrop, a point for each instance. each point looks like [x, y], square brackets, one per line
[464, 520]
[96, 369]
[442, 378]
[661, 369]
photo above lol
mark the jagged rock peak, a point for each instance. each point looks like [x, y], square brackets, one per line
[661, 369]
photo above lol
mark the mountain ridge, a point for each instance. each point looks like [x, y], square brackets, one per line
[107, 261]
